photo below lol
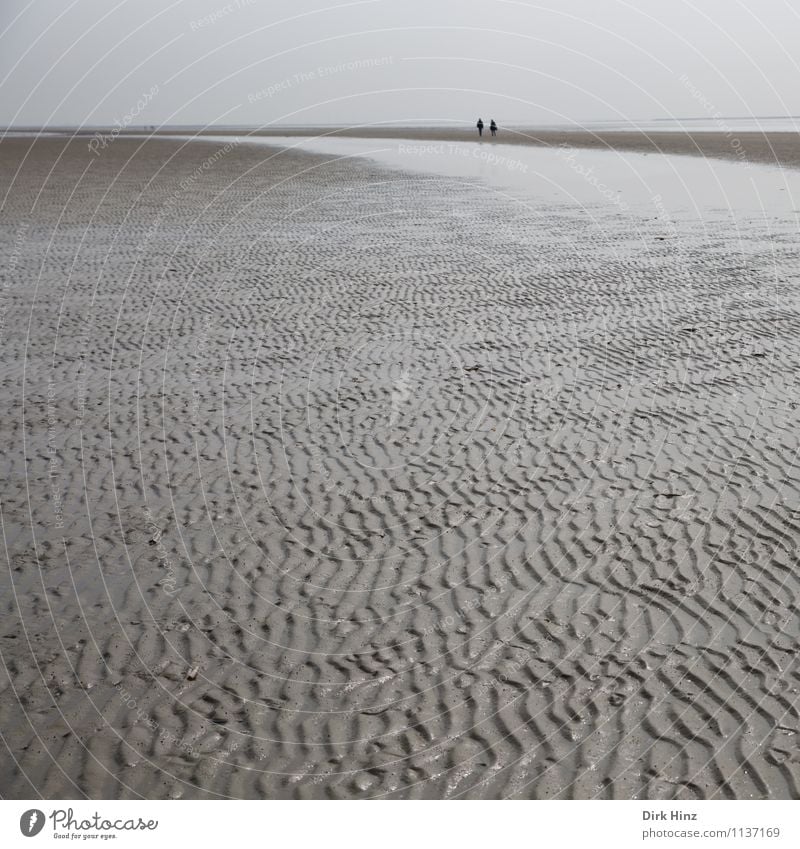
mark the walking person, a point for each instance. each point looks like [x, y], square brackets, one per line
[479, 125]
[493, 127]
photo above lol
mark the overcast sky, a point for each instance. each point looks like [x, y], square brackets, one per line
[261, 62]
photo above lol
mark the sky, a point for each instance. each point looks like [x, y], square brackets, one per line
[268, 62]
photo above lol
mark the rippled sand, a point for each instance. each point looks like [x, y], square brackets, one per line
[322, 481]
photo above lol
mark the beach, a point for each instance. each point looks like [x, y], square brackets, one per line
[725, 142]
[329, 480]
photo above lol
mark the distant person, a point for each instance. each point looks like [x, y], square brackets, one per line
[479, 125]
[493, 127]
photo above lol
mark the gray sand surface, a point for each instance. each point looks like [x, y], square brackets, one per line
[780, 148]
[324, 481]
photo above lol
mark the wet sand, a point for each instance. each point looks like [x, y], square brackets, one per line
[324, 481]
[772, 148]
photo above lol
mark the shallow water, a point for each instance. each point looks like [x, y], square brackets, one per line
[706, 124]
[677, 186]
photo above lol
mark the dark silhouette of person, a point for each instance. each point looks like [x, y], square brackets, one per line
[493, 127]
[479, 125]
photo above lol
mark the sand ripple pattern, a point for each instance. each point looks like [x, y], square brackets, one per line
[328, 481]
